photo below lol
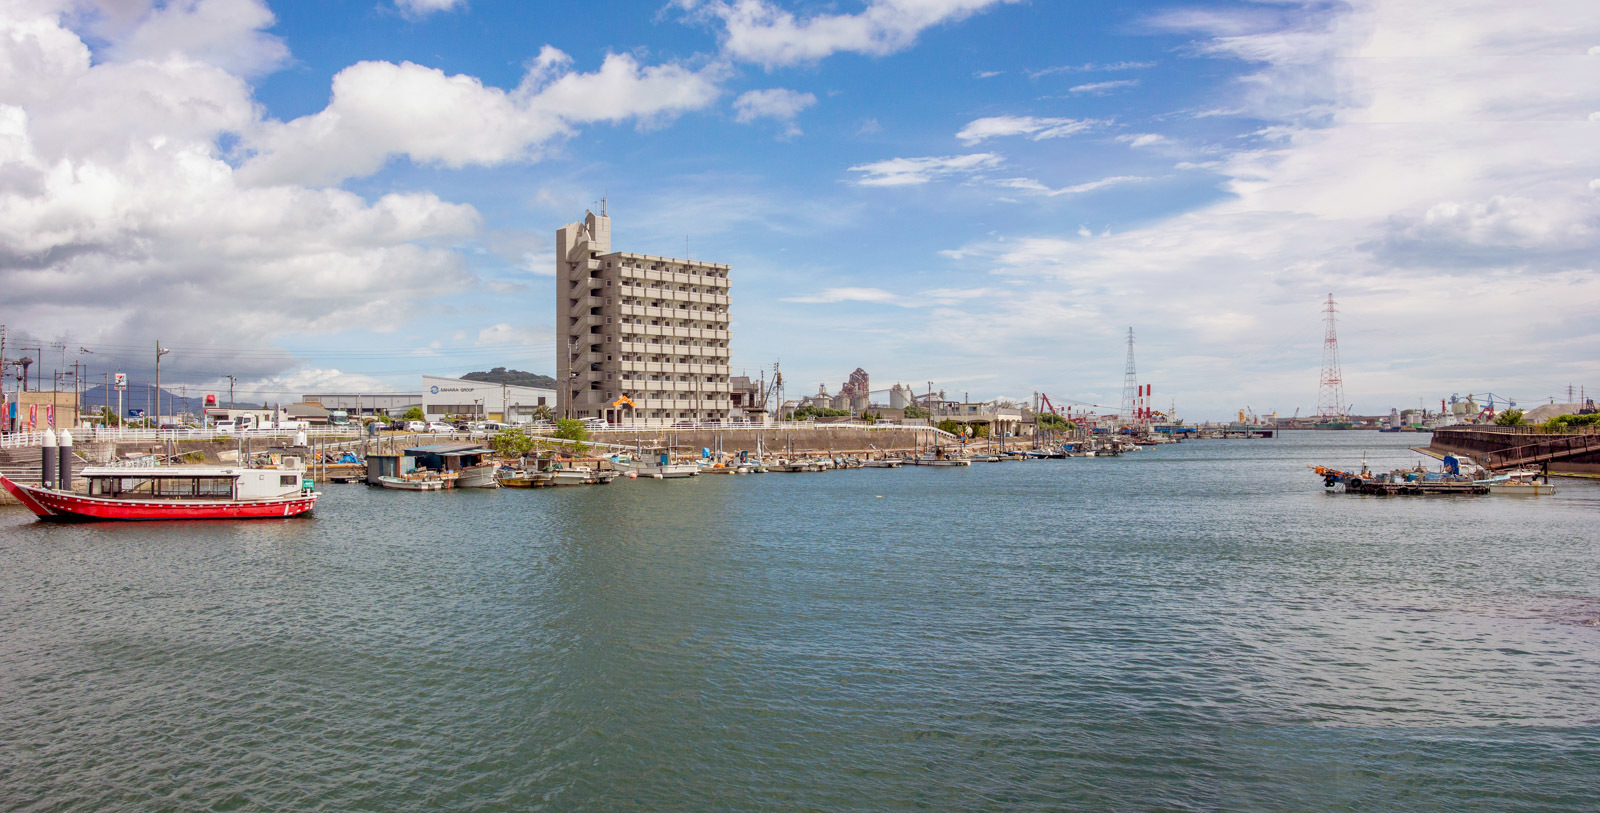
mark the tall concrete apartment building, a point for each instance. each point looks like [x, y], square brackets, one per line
[651, 330]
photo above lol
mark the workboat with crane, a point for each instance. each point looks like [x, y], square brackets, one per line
[277, 489]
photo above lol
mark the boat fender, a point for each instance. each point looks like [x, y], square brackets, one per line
[1355, 482]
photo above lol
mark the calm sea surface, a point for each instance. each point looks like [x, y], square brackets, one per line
[1190, 627]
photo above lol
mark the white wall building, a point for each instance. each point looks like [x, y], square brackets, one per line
[446, 397]
[651, 329]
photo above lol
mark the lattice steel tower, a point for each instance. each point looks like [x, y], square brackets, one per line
[1330, 397]
[1130, 385]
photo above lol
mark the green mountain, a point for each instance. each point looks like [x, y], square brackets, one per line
[515, 378]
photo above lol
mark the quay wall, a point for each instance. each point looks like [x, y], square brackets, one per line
[1475, 440]
[845, 439]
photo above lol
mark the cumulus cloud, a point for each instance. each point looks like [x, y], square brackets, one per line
[1036, 129]
[760, 32]
[380, 110]
[911, 171]
[124, 218]
[775, 103]
[1414, 175]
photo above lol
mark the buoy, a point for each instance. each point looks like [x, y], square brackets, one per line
[657, 476]
[633, 475]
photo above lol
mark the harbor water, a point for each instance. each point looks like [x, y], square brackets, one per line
[1194, 626]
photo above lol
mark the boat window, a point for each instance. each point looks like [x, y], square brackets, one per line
[214, 487]
[288, 479]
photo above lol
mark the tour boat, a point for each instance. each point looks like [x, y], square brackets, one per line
[174, 492]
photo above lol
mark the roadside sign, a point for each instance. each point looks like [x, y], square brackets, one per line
[136, 413]
[121, 380]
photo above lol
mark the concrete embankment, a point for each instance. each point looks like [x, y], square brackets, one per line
[776, 441]
[1476, 441]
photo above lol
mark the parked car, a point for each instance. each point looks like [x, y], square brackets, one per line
[595, 423]
[225, 427]
[440, 426]
[396, 426]
[416, 426]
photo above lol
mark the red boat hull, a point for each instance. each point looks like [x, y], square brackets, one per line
[63, 507]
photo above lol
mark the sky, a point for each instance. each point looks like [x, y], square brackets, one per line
[981, 194]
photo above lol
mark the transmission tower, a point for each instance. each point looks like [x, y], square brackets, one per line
[1130, 385]
[1330, 397]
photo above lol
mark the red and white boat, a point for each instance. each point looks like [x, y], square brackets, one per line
[174, 492]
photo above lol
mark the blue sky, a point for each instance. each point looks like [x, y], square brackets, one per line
[984, 194]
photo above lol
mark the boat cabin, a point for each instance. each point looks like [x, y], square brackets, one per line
[196, 482]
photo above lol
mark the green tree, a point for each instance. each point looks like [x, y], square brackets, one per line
[1511, 417]
[543, 412]
[571, 429]
[512, 443]
[414, 414]
[916, 412]
[952, 427]
[1055, 423]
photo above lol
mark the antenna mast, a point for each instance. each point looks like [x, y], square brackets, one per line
[1330, 396]
[1130, 385]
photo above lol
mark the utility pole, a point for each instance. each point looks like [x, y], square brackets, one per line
[230, 394]
[159, 353]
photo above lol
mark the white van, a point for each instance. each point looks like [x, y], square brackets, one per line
[226, 427]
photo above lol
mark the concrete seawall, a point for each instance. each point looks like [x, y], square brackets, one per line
[1476, 440]
[842, 439]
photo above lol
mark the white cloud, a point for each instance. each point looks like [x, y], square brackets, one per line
[774, 103]
[909, 171]
[758, 31]
[1422, 170]
[987, 74]
[933, 297]
[417, 9]
[457, 121]
[1034, 128]
[505, 333]
[1137, 140]
[1088, 67]
[828, 296]
[120, 218]
[1031, 185]
[1102, 88]
[228, 34]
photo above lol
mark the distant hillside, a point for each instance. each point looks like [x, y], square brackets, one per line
[515, 378]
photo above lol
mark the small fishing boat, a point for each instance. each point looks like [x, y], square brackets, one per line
[1517, 483]
[885, 463]
[518, 478]
[415, 482]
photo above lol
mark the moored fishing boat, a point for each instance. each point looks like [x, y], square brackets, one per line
[413, 482]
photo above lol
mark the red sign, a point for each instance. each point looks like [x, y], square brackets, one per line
[211, 399]
[33, 416]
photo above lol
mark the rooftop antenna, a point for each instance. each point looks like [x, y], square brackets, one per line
[603, 205]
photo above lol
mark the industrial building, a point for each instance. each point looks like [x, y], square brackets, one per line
[446, 397]
[641, 338]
